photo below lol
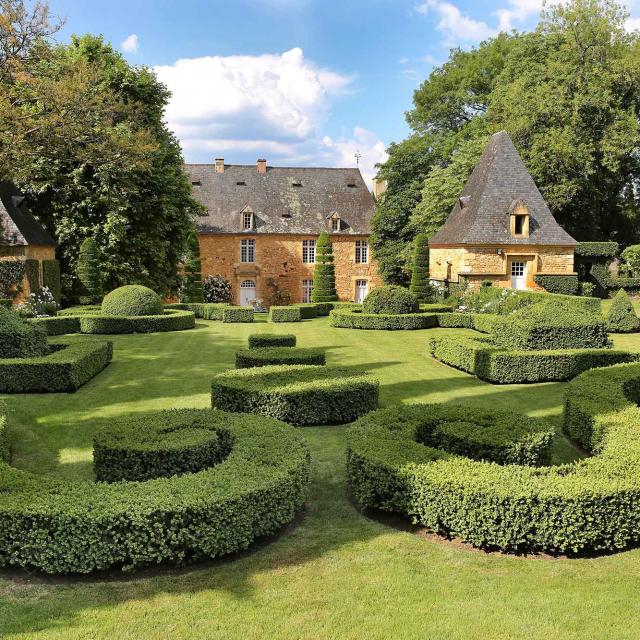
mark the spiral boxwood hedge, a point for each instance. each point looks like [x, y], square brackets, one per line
[170, 320]
[354, 319]
[257, 340]
[265, 356]
[79, 527]
[297, 394]
[589, 506]
[132, 300]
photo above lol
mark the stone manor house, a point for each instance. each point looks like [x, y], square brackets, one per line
[262, 224]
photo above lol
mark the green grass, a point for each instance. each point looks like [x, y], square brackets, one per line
[337, 573]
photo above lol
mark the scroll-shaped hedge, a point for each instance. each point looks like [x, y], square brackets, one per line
[61, 527]
[592, 505]
[297, 394]
[170, 320]
[354, 319]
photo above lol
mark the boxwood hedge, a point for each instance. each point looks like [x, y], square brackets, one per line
[204, 310]
[258, 486]
[7, 303]
[237, 314]
[298, 394]
[58, 325]
[132, 300]
[563, 284]
[310, 310]
[591, 505]
[66, 368]
[257, 340]
[354, 319]
[285, 314]
[265, 356]
[170, 320]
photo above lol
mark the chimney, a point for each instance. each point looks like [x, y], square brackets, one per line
[262, 166]
[219, 165]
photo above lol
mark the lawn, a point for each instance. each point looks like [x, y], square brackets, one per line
[336, 573]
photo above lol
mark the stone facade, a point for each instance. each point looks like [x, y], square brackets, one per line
[279, 256]
[30, 252]
[493, 262]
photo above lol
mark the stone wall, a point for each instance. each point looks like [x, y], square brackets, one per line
[485, 263]
[280, 257]
[31, 252]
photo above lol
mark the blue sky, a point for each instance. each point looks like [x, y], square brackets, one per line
[300, 82]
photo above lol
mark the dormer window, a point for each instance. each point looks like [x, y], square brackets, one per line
[335, 224]
[247, 219]
[519, 219]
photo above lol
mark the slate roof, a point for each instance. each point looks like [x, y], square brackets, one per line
[277, 204]
[482, 213]
[18, 227]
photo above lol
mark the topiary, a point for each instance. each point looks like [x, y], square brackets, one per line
[192, 279]
[89, 272]
[132, 300]
[19, 339]
[324, 274]
[420, 286]
[621, 317]
[390, 299]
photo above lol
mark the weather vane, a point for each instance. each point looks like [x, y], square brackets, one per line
[357, 156]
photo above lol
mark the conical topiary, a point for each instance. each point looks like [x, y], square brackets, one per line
[420, 270]
[192, 279]
[89, 272]
[324, 275]
[621, 317]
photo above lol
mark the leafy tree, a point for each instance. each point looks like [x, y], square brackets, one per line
[631, 257]
[419, 286]
[89, 272]
[324, 274]
[192, 277]
[621, 317]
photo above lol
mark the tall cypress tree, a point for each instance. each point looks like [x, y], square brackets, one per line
[324, 274]
[192, 279]
[89, 272]
[420, 273]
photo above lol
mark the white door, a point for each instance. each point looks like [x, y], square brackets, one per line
[518, 272]
[247, 293]
[362, 288]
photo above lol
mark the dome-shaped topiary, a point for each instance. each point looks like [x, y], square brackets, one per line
[621, 317]
[390, 299]
[132, 300]
[19, 339]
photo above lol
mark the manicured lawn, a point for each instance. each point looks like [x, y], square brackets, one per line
[336, 573]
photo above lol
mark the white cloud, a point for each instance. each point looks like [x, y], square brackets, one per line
[130, 44]
[633, 24]
[272, 105]
[456, 26]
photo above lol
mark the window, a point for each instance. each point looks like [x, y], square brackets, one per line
[335, 224]
[362, 251]
[519, 224]
[309, 251]
[247, 221]
[248, 251]
[307, 286]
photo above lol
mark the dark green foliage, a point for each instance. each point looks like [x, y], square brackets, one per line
[159, 445]
[18, 339]
[587, 289]
[599, 275]
[628, 284]
[204, 310]
[258, 340]
[297, 394]
[621, 317]
[132, 300]
[390, 299]
[170, 320]
[602, 250]
[355, 319]
[309, 310]
[216, 289]
[89, 273]
[7, 303]
[32, 272]
[11, 276]
[58, 325]
[66, 368]
[566, 285]
[237, 314]
[51, 278]
[419, 286]
[455, 320]
[191, 290]
[285, 314]
[252, 493]
[324, 273]
[266, 356]
[5, 447]
[484, 359]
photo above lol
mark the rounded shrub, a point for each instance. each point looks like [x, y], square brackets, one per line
[298, 394]
[251, 478]
[591, 505]
[132, 300]
[19, 339]
[390, 299]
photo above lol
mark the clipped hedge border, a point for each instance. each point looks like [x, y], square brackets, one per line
[58, 325]
[66, 368]
[257, 488]
[592, 505]
[349, 319]
[298, 394]
[309, 310]
[257, 340]
[171, 320]
[491, 363]
[237, 314]
[285, 314]
[204, 310]
[266, 356]
[562, 284]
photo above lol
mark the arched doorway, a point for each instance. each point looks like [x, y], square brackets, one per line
[247, 293]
